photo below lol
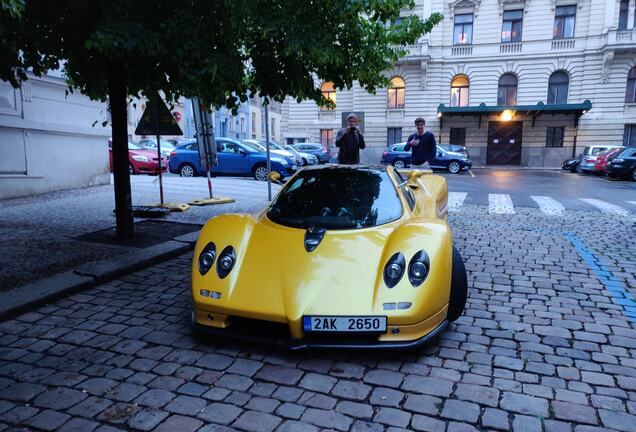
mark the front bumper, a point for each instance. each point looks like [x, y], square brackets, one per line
[150, 167]
[278, 334]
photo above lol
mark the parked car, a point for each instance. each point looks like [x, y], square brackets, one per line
[451, 161]
[140, 161]
[456, 148]
[234, 158]
[276, 148]
[603, 158]
[571, 165]
[306, 158]
[273, 152]
[151, 144]
[315, 149]
[623, 165]
[589, 155]
[354, 256]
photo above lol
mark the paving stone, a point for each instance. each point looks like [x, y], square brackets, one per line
[426, 385]
[59, 398]
[220, 413]
[245, 367]
[423, 404]
[460, 410]
[355, 409]
[146, 419]
[280, 374]
[351, 390]
[179, 423]
[326, 419]
[290, 410]
[495, 419]
[574, 412]
[460, 427]
[186, 405]
[261, 404]
[155, 398]
[557, 426]
[392, 417]
[296, 426]
[77, 424]
[478, 394]
[524, 404]
[214, 362]
[317, 382]
[22, 392]
[98, 386]
[254, 421]
[522, 423]
[617, 420]
[383, 378]
[125, 392]
[235, 382]
[386, 397]
[427, 424]
[90, 407]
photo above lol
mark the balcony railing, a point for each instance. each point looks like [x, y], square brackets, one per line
[462, 50]
[510, 48]
[563, 44]
[621, 38]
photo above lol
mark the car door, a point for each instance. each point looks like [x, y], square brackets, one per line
[441, 158]
[232, 157]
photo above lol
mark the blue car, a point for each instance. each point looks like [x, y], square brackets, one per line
[315, 149]
[234, 158]
[454, 162]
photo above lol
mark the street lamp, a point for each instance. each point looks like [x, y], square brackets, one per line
[506, 115]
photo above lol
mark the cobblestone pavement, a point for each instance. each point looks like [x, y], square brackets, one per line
[547, 343]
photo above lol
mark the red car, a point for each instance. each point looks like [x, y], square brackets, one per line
[140, 161]
[601, 159]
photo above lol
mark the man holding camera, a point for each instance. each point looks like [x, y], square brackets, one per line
[350, 141]
[422, 145]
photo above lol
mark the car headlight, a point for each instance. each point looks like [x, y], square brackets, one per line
[394, 269]
[418, 268]
[206, 258]
[225, 263]
[618, 160]
[140, 158]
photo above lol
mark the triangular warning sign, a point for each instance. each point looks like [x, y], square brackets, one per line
[162, 124]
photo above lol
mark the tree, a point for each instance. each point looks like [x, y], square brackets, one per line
[221, 51]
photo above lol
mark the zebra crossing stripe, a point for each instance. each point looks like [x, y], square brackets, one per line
[606, 207]
[456, 200]
[500, 204]
[549, 205]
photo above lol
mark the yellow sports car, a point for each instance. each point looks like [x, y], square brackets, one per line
[344, 256]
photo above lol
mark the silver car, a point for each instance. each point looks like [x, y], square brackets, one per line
[151, 144]
[589, 155]
[306, 158]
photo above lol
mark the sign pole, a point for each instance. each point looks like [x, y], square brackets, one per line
[269, 165]
[159, 152]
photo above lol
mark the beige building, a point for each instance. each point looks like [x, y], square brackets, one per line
[525, 83]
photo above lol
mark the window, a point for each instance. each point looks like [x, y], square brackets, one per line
[512, 24]
[558, 88]
[507, 93]
[394, 135]
[564, 18]
[326, 138]
[242, 124]
[463, 32]
[554, 137]
[622, 15]
[459, 91]
[458, 136]
[328, 92]
[629, 136]
[228, 147]
[254, 124]
[395, 94]
[630, 93]
[273, 132]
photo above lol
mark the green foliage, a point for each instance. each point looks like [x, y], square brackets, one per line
[214, 49]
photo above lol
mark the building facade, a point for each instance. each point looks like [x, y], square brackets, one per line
[50, 140]
[518, 82]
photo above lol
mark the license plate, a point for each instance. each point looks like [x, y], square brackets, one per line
[375, 324]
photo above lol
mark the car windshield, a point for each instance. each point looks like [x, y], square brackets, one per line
[337, 198]
[398, 148]
[597, 150]
[253, 146]
[133, 146]
[272, 144]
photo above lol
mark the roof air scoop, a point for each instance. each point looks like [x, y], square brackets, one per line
[313, 237]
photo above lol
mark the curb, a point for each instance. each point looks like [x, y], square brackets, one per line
[26, 297]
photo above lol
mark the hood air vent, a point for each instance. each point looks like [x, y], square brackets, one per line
[313, 237]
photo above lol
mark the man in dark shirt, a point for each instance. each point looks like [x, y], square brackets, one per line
[422, 145]
[350, 141]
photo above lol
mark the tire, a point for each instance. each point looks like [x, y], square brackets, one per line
[260, 172]
[131, 169]
[399, 163]
[305, 163]
[187, 170]
[459, 287]
[573, 170]
[633, 176]
[578, 169]
[454, 167]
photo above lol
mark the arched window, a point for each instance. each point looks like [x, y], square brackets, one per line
[395, 94]
[630, 94]
[558, 88]
[328, 92]
[459, 91]
[507, 92]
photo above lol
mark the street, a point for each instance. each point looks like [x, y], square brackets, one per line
[546, 342]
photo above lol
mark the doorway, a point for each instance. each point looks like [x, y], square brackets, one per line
[504, 143]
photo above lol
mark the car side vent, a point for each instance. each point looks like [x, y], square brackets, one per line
[313, 237]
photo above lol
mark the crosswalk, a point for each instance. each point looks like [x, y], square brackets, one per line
[503, 204]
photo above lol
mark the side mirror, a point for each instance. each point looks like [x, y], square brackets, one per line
[274, 177]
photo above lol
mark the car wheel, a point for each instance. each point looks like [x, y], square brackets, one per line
[399, 163]
[578, 169]
[187, 170]
[573, 169]
[131, 169]
[305, 163]
[459, 287]
[260, 172]
[454, 167]
[634, 175]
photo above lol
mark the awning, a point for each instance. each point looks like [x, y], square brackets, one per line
[578, 109]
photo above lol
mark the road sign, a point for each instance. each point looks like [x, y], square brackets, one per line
[162, 124]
